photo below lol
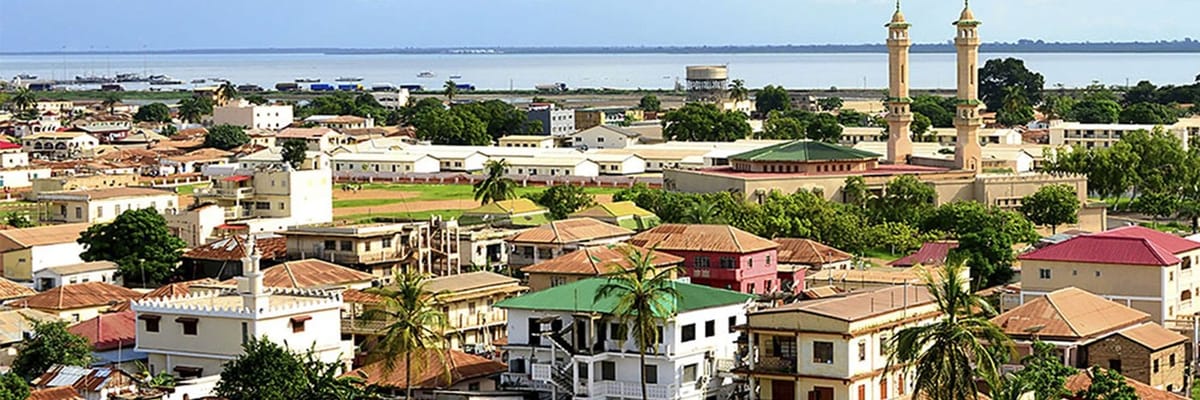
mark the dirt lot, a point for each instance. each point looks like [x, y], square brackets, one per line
[408, 206]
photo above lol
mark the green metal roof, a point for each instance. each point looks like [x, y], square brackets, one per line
[579, 296]
[804, 151]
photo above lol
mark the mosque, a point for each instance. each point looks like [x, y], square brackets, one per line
[824, 168]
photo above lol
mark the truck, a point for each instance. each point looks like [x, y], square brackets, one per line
[412, 88]
[551, 87]
[321, 87]
[466, 87]
[350, 87]
[287, 87]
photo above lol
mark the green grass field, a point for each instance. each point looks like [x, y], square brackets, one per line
[436, 192]
[416, 215]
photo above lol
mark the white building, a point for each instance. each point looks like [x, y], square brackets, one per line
[263, 199]
[603, 137]
[1105, 135]
[553, 166]
[389, 162]
[60, 145]
[392, 99]
[95, 271]
[252, 116]
[15, 171]
[103, 205]
[193, 335]
[560, 340]
[619, 164]
[26, 251]
[340, 122]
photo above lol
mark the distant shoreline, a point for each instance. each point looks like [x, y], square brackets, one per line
[1184, 46]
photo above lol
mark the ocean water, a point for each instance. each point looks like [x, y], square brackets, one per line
[627, 71]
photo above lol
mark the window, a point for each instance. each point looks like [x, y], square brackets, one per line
[710, 328]
[347, 245]
[732, 324]
[689, 333]
[651, 372]
[474, 387]
[387, 242]
[1044, 273]
[583, 369]
[298, 323]
[78, 212]
[768, 259]
[608, 371]
[618, 331]
[823, 352]
[1114, 364]
[152, 324]
[558, 281]
[689, 373]
[330, 245]
[535, 328]
[367, 245]
[862, 350]
[750, 288]
[727, 262]
[784, 347]
[100, 212]
[883, 343]
[1156, 365]
[1171, 361]
[189, 325]
[700, 262]
[245, 333]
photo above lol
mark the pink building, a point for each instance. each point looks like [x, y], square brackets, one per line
[718, 255]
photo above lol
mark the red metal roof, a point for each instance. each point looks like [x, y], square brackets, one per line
[108, 331]
[237, 178]
[8, 145]
[1132, 245]
[930, 254]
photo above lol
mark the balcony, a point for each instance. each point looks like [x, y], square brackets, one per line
[478, 320]
[603, 389]
[363, 327]
[724, 274]
[350, 257]
[778, 365]
[233, 193]
[237, 212]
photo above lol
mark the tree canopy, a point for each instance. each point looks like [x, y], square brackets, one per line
[139, 242]
[649, 103]
[13, 387]
[1016, 109]
[998, 75]
[226, 137]
[1149, 114]
[563, 199]
[153, 112]
[831, 103]
[772, 98]
[294, 152]
[939, 110]
[193, 109]
[703, 122]
[51, 344]
[268, 371]
[456, 126]
[1107, 385]
[1052, 205]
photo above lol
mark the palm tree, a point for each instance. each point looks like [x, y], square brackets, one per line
[495, 187]
[949, 354]
[738, 91]
[23, 99]
[110, 101]
[226, 92]
[415, 326]
[192, 109]
[645, 299]
[451, 90]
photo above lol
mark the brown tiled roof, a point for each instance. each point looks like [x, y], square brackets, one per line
[808, 252]
[303, 133]
[821, 292]
[83, 295]
[1083, 380]
[310, 274]
[11, 290]
[58, 393]
[1153, 336]
[202, 155]
[597, 260]
[233, 248]
[14, 323]
[707, 238]
[571, 230]
[861, 305]
[432, 375]
[141, 157]
[1069, 313]
[169, 290]
[360, 297]
[467, 281]
[13, 239]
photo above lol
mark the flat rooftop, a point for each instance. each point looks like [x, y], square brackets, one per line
[881, 170]
[370, 229]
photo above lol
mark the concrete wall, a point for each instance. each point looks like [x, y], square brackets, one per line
[1137, 361]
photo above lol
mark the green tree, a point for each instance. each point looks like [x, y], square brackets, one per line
[940, 110]
[772, 98]
[264, 371]
[23, 100]
[738, 90]
[779, 126]
[153, 112]
[703, 122]
[256, 99]
[1157, 204]
[1052, 205]
[410, 111]
[1044, 373]
[226, 137]
[1057, 107]
[226, 93]
[986, 236]
[855, 192]
[1016, 110]
[13, 387]
[830, 103]
[294, 152]
[457, 126]
[999, 74]
[501, 118]
[896, 238]
[650, 103]
[824, 128]
[17, 220]
[1096, 111]
[450, 89]
[1149, 114]
[51, 344]
[110, 100]
[1107, 385]
[905, 199]
[949, 354]
[920, 125]
[563, 199]
[848, 117]
[1144, 92]
[645, 299]
[193, 109]
[495, 186]
[139, 242]
[415, 323]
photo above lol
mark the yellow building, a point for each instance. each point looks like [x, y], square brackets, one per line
[102, 205]
[28, 250]
[80, 182]
[833, 348]
[528, 141]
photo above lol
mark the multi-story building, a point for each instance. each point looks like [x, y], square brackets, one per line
[376, 248]
[60, 145]
[94, 271]
[595, 116]
[1123, 340]
[1106, 135]
[718, 255]
[278, 193]
[317, 139]
[604, 137]
[340, 122]
[561, 237]
[555, 121]
[25, 251]
[1142, 268]
[102, 205]
[833, 348]
[393, 99]
[252, 116]
[192, 336]
[799, 256]
[591, 262]
[78, 302]
[80, 182]
[567, 341]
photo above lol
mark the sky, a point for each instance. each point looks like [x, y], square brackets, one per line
[81, 25]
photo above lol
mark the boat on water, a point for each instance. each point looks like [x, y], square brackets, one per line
[26, 77]
[308, 80]
[349, 79]
[164, 80]
[198, 81]
[426, 74]
[130, 77]
[94, 79]
[455, 76]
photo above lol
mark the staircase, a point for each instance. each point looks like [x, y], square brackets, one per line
[563, 380]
